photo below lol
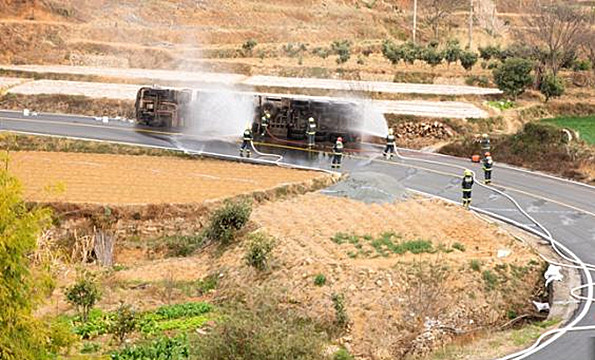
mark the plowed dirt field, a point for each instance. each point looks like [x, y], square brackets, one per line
[122, 179]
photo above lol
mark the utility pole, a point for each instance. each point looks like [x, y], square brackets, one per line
[470, 23]
[414, 19]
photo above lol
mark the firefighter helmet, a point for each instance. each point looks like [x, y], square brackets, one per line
[468, 172]
[487, 154]
[390, 131]
[311, 119]
[485, 136]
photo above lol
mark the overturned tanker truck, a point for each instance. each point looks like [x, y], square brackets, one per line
[176, 108]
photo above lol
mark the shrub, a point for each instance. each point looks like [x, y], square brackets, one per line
[513, 76]
[321, 52]
[21, 333]
[249, 45]
[468, 59]
[227, 220]
[410, 52]
[489, 52]
[341, 318]
[84, 294]
[342, 354]
[342, 49]
[459, 246]
[320, 280]
[259, 250]
[474, 80]
[490, 279]
[294, 49]
[475, 265]
[60, 337]
[175, 348]
[582, 65]
[124, 322]
[452, 51]
[551, 86]
[265, 333]
[391, 52]
[182, 245]
[432, 56]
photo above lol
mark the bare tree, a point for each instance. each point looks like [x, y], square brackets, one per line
[436, 12]
[587, 40]
[556, 28]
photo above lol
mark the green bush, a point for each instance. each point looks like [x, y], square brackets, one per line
[432, 56]
[582, 65]
[474, 80]
[320, 280]
[175, 348]
[452, 52]
[410, 52]
[84, 294]
[265, 333]
[468, 59]
[342, 48]
[391, 52]
[342, 354]
[490, 280]
[551, 86]
[459, 246]
[475, 265]
[248, 46]
[124, 322]
[321, 52]
[60, 337]
[227, 220]
[90, 347]
[180, 246]
[513, 76]
[294, 49]
[341, 317]
[259, 250]
[489, 52]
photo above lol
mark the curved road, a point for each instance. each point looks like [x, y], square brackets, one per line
[565, 208]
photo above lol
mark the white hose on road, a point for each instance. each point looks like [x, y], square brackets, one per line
[538, 345]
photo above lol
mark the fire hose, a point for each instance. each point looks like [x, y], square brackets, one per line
[559, 248]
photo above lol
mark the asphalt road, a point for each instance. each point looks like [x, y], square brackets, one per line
[566, 208]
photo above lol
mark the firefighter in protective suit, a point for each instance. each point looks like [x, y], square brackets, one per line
[485, 143]
[487, 166]
[467, 185]
[337, 154]
[247, 140]
[311, 132]
[389, 150]
[264, 122]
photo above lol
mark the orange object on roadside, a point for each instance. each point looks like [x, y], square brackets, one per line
[475, 158]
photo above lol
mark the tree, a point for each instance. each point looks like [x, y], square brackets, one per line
[391, 52]
[452, 51]
[513, 76]
[124, 322]
[555, 27]
[468, 59]
[84, 294]
[22, 336]
[588, 43]
[435, 12]
[551, 86]
[432, 56]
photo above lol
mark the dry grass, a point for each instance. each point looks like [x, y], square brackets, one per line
[120, 179]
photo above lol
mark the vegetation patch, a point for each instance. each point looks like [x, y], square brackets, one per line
[585, 126]
[390, 243]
